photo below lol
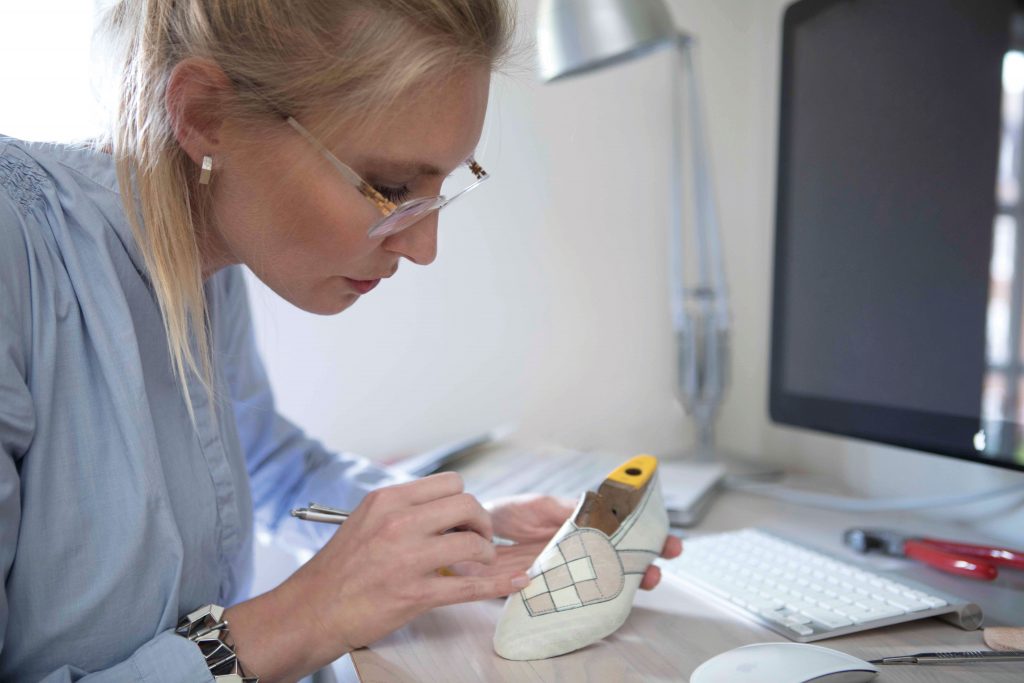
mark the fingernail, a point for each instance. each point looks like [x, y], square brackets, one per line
[520, 580]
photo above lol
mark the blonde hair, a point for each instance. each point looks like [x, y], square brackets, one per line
[351, 58]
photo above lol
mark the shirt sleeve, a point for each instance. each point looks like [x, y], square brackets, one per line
[17, 417]
[287, 469]
[167, 658]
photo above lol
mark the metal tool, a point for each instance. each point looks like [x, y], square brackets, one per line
[973, 561]
[953, 657]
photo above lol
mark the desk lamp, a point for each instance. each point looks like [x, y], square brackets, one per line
[579, 36]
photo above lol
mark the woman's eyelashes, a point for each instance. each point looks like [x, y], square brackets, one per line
[396, 195]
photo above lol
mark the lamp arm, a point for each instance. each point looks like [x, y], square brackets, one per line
[712, 271]
[700, 310]
[683, 324]
[677, 246]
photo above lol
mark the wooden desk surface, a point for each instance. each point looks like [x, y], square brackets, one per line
[673, 629]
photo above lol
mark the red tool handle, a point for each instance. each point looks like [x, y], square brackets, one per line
[925, 551]
[1001, 556]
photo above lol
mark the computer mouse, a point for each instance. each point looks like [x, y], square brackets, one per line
[783, 663]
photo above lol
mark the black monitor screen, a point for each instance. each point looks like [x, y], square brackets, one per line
[899, 257]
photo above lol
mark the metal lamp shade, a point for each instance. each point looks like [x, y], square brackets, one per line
[576, 36]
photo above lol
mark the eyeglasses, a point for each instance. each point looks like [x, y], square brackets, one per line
[396, 217]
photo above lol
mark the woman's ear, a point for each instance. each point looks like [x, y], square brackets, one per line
[197, 94]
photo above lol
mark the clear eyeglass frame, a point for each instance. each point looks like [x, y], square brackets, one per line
[394, 217]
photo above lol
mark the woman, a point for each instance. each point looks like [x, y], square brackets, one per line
[137, 428]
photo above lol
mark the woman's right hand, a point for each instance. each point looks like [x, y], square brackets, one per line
[378, 571]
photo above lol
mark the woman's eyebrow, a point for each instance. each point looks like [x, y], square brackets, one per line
[405, 168]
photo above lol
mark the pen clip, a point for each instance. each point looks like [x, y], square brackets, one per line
[317, 507]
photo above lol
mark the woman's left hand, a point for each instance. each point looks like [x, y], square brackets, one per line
[530, 521]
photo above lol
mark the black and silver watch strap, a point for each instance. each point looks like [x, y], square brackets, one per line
[206, 628]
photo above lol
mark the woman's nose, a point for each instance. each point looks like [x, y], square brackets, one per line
[418, 242]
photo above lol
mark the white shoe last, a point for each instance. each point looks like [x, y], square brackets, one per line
[583, 582]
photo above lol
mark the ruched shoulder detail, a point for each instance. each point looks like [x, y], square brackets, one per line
[22, 181]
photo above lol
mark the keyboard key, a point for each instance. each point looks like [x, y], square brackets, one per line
[793, 622]
[827, 617]
[801, 629]
[884, 611]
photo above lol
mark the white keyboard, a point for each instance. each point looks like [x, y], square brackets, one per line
[804, 594]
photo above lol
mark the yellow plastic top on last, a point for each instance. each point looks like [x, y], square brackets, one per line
[634, 472]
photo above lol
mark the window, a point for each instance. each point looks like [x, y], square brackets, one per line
[47, 86]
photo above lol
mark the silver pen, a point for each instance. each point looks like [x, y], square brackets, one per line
[954, 657]
[316, 512]
[321, 513]
[314, 516]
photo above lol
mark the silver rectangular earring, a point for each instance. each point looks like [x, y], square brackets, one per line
[204, 175]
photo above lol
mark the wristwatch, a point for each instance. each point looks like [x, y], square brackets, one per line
[206, 628]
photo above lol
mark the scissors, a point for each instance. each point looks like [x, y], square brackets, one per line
[973, 561]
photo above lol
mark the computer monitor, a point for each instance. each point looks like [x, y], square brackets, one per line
[899, 253]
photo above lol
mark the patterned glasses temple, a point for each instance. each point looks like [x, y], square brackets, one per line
[384, 205]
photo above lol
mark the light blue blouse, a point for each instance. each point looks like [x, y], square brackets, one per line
[116, 516]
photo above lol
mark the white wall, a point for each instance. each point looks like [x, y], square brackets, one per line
[548, 303]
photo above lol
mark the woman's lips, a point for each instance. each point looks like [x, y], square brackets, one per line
[363, 286]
